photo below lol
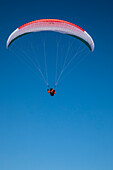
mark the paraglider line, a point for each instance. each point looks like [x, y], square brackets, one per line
[45, 62]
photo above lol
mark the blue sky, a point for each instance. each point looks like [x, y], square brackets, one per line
[73, 129]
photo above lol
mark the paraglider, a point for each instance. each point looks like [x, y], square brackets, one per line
[55, 25]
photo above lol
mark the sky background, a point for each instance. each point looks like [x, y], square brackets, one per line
[74, 129]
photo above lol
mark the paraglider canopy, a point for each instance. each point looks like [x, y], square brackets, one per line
[56, 25]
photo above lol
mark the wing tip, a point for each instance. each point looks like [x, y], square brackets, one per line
[91, 43]
[10, 38]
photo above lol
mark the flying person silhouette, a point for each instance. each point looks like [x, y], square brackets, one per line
[52, 92]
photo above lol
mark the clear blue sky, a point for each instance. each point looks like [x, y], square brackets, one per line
[74, 129]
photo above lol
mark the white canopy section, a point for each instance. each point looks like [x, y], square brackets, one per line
[56, 25]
